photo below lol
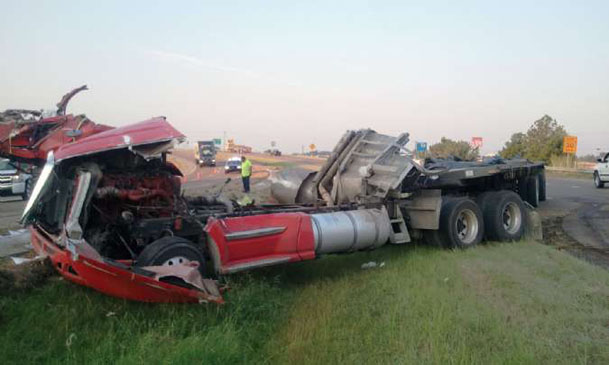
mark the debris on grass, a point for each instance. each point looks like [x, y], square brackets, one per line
[372, 265]
[27, 275]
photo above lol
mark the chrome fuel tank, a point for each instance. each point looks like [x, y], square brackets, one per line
[348, 231]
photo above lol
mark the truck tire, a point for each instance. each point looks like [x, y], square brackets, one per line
[542, 186]
[504, 216]
[169, 251]
[532, 191]
[597, 181]
[461, 223]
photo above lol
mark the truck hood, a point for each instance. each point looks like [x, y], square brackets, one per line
[149, 137]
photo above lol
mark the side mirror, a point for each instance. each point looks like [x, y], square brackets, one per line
[599, 160]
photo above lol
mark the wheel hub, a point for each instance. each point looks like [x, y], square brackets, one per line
[512, 218]
[177, 260]
[467, 226]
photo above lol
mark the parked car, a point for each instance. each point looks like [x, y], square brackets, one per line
[233, 164]
[14, 181]
[601, 171]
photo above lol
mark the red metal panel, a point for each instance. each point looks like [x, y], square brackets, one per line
[294, 243]
[146, 132]
[112, 280]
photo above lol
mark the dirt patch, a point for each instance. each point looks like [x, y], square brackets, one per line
[25, 276]
[554, 235]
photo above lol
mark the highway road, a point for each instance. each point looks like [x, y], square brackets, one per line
[585, 210]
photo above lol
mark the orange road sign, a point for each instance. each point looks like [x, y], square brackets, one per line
[569, 144]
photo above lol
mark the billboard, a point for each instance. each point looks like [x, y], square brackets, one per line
[569, 144]
[476, 142]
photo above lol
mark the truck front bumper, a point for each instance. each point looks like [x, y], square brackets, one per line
[114, 278]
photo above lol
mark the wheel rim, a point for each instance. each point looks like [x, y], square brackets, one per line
[467, 226]
[177, 260]
[512, 218]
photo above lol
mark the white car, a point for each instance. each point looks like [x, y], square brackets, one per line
[13, 181]
[233, 164]
[601, 171]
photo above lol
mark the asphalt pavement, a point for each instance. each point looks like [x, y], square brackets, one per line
[584, 208]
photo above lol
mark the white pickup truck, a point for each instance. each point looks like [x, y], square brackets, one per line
[14, 181]
[601, 171]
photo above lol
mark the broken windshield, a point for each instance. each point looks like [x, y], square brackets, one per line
[41, 185]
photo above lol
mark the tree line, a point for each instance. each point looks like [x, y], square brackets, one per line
[542, 141]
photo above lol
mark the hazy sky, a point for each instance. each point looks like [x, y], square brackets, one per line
[304, 72]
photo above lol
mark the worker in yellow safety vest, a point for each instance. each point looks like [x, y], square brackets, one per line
[246, 172]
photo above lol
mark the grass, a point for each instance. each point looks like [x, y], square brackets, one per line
[570, 174]
[516, 303]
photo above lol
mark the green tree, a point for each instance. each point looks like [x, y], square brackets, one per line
[542, 141]
[516, 146]
[447, 148]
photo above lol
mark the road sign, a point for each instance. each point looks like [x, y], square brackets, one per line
[421, 146]
[569, 144]
[476, 142]
[312, 147]
[217, 141]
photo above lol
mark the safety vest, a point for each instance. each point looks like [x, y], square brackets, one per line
[246, 168]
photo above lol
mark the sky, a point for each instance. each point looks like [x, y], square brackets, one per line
[304, 72]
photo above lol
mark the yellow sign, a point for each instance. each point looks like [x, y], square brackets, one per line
[312, 147]
[569, 144]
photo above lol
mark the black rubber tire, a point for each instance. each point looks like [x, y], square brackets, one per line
[597, 181]
[433, 238]
[542, 185]
[165, 248]
[494, 207]
[532, 191]
[448, 222]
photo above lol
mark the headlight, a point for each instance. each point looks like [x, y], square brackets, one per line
[17, 178]
[226, 167]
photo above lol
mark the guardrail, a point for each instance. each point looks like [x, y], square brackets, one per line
[567, 169]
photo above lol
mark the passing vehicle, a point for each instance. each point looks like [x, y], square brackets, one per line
[601, 171]
[233, 164]
[14, 179]
[205, 153]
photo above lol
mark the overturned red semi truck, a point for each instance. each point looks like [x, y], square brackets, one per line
[108, 211]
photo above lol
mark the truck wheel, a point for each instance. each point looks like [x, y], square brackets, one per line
[504, 216]
[597, 181]
[171, 250]
[542, 186]
[461, 223]
[532, 191]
